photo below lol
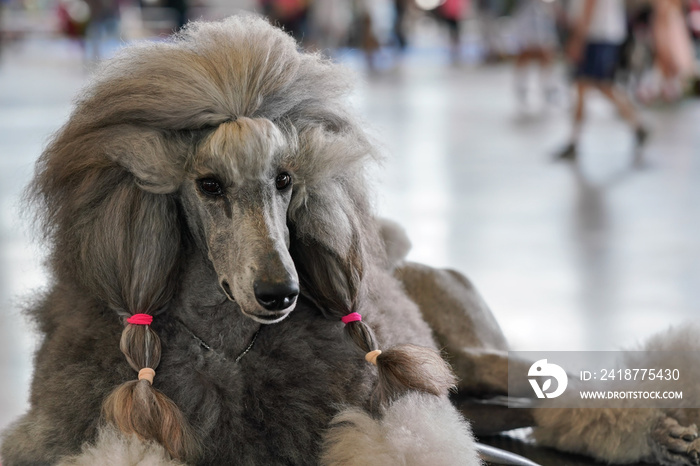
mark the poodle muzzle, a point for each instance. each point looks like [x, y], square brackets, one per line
[256, 270]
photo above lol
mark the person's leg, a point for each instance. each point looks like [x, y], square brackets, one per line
[455, 41]
[569, 151]
[579, 110]
[621, 102]
[626, 108]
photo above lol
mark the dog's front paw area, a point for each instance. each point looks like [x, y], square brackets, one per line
[674, 444]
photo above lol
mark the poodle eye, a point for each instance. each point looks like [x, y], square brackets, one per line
[210, 187]
[283, 181]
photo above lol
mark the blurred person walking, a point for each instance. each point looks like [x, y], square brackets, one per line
[2, 24]
[450, 12]
[373, 29]
[290, 15]
[181, 9]
[599, 27]
[73, 18]
[399, 28]
[674, 55]
[536, 32]
[329, 24]
[102, 26]
[489, 13]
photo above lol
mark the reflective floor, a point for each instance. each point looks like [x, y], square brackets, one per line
[595, 255]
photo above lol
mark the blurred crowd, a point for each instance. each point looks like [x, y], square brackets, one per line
[657, 58]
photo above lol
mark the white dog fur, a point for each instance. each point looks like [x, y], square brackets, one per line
[415, 430]
[113, 448]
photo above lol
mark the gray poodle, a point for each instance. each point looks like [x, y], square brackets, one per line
[210, 230]
[223, 294]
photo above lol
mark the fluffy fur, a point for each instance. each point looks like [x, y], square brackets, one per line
[121, 194]
[116, 449]
[414, 430]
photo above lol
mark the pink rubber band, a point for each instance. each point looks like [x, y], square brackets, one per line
[140, 319]
[352, 317]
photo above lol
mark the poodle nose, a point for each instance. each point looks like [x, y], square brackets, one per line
[276, 296]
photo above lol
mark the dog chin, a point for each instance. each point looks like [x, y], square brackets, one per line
[271, 318]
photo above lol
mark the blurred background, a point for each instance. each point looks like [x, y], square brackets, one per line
[472, 103]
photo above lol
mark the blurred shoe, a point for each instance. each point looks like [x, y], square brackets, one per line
[568, 153]
[641, 135]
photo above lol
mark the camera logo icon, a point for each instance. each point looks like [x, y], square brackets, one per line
[541, 369]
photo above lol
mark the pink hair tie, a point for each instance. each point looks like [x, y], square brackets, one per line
[140, 319]
[352, 317]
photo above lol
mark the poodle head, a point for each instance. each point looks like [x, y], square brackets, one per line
[235, 197]
[225, 139]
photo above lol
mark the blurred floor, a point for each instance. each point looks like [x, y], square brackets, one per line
[592, 256]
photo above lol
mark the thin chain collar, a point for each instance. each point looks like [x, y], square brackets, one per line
[204, 345]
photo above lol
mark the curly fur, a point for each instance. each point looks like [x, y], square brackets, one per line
[116, 449]
[130, 230]
[414, 430]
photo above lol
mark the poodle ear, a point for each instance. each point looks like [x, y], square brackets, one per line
[328, 247]
[332, 230]
[155, 159]
[112, 234]
[130, 248]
